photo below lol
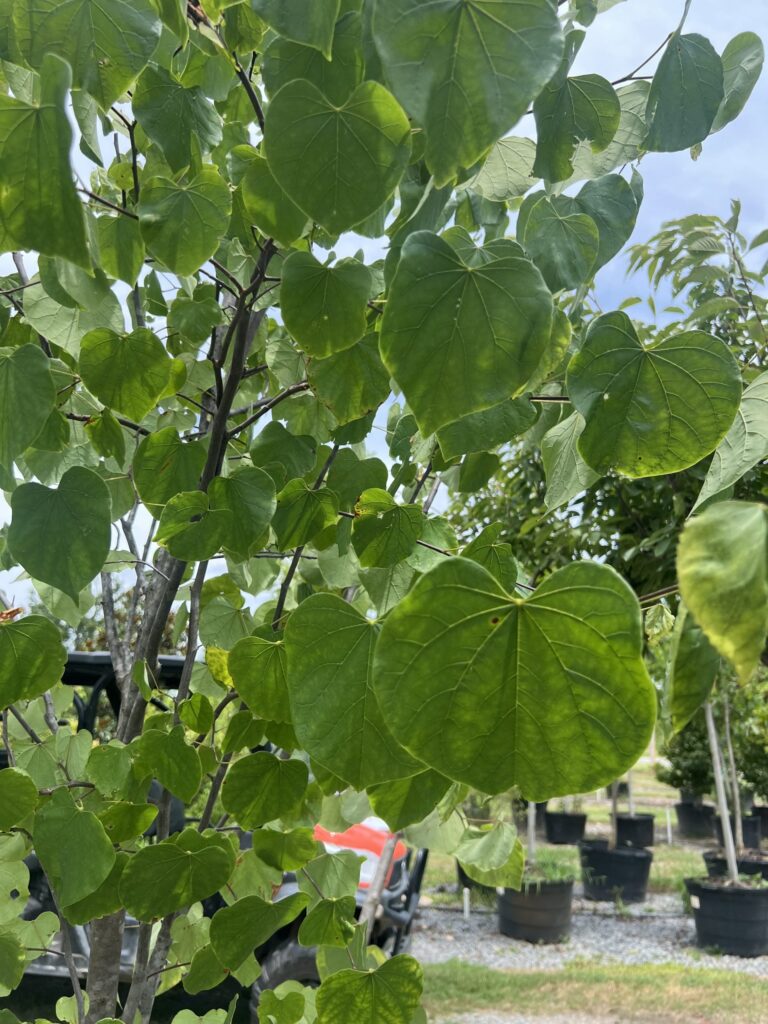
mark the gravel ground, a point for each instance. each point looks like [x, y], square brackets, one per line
[655, 932]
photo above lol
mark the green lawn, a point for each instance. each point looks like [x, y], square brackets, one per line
[641, 995]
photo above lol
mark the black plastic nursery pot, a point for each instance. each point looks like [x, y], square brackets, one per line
[755, 863]
[621, 873]
[563, 828]
[694, 820]
[750, 826]
[635, 830]
[733, 919]
[539, 912]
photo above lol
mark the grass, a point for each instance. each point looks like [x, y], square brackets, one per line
[640, 995]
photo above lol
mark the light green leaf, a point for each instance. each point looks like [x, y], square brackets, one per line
[237, 930]
[389, 994]
[694, 664]
[494, 555]
[268, 206]
[333, 875]
[485, 430]
[167, 757]
[742, 65]
[105, 42]
[128, 374]
[562, 242]
[568, 475]
[121, 250]
[351, 383]
[507, 172]
[405, 802]
[73, 848]
[18, 793]
[282, 454]
[685, 95]
[249, 498]
[258, 669]
[302, 513]
[124, 821]
[745, 444]
[61, 536]
[329, 923]
[651, 410]
[337, 718]
[39, 207]
[721, 568]
[285, 851]
[549, 694]
[189, 529]
[182, 224]
[492, 856]
[13, 962]
[104, 900]
[261, 787]
[324, 307]
[466, 72]
[172, 116]
[285, 61]
[164, 465]
[459, 338]
[66, 326]
[29, 397]
[385, 534]
[304, 21]
[366, 141]
[32, 658]
[175, 873]
[569, 111]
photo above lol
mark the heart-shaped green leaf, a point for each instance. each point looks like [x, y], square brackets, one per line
[239, 929]
[258, 669]
[694, 667]
[549, 694]
[261, 787]
[105, 42]
[495, 555]
[566, 471]
[29, 396]
[324, 307]
[389, 994]
[337, 718]
[466, 71]
[492, 856]
[722, 562]
[745, 444]
[121, 249]
[172, 116]
[182, 225]
[562, 241]
[285, 60]
[365, 141]
[61, 536]
[459, 338]
[175, 873]
[167, 757]
[651, 410]
[742, 64]
[686, 93]
[164, 465]
[486, 430]
[127, 374]
[18, 797]
[302, 512]
[330, 923]
[189, 529]
[351, 383]
[32, 658]
[266, 203]
[404, 802]
[249, 497]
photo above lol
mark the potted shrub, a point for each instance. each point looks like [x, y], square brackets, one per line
[540, 910]
[566, 825]
[730, 910]
[610, 871]
[687, 767]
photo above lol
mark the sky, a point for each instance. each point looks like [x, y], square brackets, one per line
[732, 164]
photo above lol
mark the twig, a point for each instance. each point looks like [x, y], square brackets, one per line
[25, 725]
[264, 406]
[6, 741]
[192, 629]
[246, 83]
[210, 803]
[128, 424]
[108, 203]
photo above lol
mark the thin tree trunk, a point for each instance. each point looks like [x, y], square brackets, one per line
[722, 800]
[736, 794]
[103, 976]
[373, 897]
[531, 833]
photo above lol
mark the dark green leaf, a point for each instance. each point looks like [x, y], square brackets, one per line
[32, 658]
[389, 994]
[73, 848]
[407, 801]
[29, 397]
[268, 206]
[302, 513]
[258, 669]
[562, 242]
[482, 431]
[261, 787]
[351, 383]
[459, 338]
[285, 61]
[237, 930]
[61, 536]
[167, 757]
[742, 64]
[686, 93]
[249, 498]
[324, 307]
[304, 21]
[329, 923]
[694, 666]
[495, 555]
[164, 465]
[651, 410]
[18, 795]
[466, 72]
[366, 141]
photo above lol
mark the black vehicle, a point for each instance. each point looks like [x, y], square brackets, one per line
[282, 958]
